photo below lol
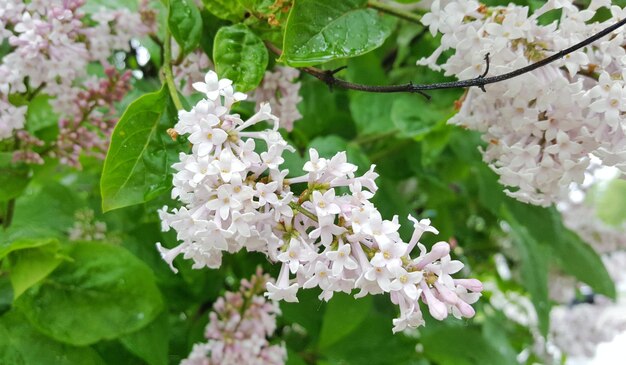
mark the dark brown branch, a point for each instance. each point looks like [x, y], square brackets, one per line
[329, 78]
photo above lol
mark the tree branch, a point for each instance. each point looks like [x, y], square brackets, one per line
[328, 76]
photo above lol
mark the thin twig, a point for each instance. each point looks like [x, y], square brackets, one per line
[33, 93]
[329, 78]
[399, 13]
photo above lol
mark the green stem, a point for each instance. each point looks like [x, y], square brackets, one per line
[377, 156]
[375, 137]
[167, 69]
[402, 14]
[302, 210]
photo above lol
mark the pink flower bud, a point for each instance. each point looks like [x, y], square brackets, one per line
[436, 308]
[470, 284]
[466, 310]
[446, 294]
[439, 250]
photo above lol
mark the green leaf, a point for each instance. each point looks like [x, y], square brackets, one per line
[496, 330]
[141, 153]
[573, 255]
[13, 177]
[27, 267]
[534, 268]
[293, 358]
[154, 50]
[185, 23]
[490, 193]
[343, 315]
[103, 293]
[240, 55]
[371, 341]
[40, 114]
[577, 258]
[328, 146]
[151, 342]
[114, 353]
[367, 69]
[415, 117]
[257, 5]
[210, 26]
[6, 294]
[49, 207]
[398, 159]
[12, 243]
[319, 31]
[461, 346]
[20, 344]
[335, 118]
[225, 9]
[436, 142]
[371, 112]
[300, 313]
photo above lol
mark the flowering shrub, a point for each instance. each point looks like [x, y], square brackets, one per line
[375, 167]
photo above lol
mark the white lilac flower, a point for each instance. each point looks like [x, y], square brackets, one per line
[341, 260]
[279, 89]
[540, 128]
[11, 118]
[235, 195]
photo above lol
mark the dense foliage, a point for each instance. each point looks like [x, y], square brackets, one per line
[124, 259]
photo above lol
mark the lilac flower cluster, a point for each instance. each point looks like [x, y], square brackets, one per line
[601, 321]
[52, 43]
[541, 127]
[279, 89]
[192, 67]
[93, 117]
[86, 227]
[235, 195]
[238, 330]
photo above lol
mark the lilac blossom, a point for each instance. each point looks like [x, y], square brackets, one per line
[279, 89]
[52, 43]
[239, 329]
[542, 127]
[321, 238]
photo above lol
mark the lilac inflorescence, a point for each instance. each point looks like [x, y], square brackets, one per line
[235, 195]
